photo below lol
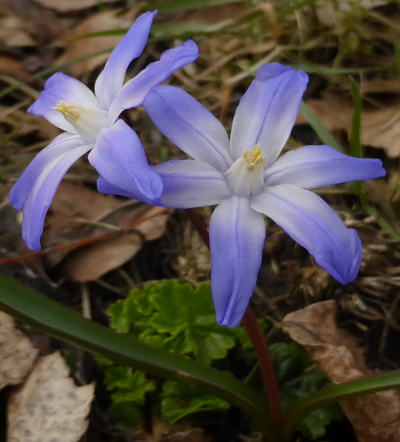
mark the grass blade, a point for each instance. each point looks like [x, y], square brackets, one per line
[319, 127]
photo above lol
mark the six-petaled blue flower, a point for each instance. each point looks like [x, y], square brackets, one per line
[247, 180]
[90, 121]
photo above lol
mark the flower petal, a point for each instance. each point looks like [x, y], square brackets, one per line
[318, 166]
[119, 158]
[111, 78]
[104, 186]
[189, 125]
[42, 193]
[314, 225]
[61, 87]
[191, 183]
[237, 235]
[62, 144]
[134, 91]
[268, 110]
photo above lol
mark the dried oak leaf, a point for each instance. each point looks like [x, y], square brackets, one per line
[76, 48]
[375, 417]
[17, 354]
[380, 126]
[49, 407]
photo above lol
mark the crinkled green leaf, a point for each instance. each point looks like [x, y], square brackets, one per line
[128, 385]
[313, 426]
[290, 360]
[176, 316]
[179, 400]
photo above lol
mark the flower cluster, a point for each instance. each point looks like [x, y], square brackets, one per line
[243, 175]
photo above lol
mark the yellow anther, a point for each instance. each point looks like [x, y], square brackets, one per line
[69, 110]
[253, 157]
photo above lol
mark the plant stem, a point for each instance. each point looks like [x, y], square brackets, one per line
[266, 365]
[257, 338]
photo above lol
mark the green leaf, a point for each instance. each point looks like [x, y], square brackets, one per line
[180, 399]
[313, 426]
[297, 380]
[319, 127]
[290, 360]
[54, 319]
[128, 385]
[175, 316]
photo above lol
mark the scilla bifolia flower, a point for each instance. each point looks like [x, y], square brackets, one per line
[90, 120]
[247, 180]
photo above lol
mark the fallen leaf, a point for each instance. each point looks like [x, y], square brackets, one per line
[375, 417]
[49, 407]
[91, 262]
[71, 5]
[17, 354]
[104, 21]
[79, 213]
[380, 126]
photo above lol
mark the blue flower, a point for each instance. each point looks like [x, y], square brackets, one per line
[247, 180]
[90, 120]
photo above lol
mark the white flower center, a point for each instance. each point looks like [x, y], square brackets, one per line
[246, 175]
[86, 120]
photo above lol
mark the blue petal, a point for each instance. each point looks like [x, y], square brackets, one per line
[237, 235]
[134, 91]
[314, 225]
[318, 166]
[268, 110]
[119, 158]
[57, 88]
[110, 80]
[57, 148]
[104, 186]
[191, 183]
[189, 125]
[42, 193]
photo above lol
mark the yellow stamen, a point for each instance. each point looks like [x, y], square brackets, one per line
[253, 157]
[69, 110]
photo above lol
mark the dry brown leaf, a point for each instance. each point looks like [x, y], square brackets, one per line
[71, 5]
[375, 417]
[49, 407]
[91, 262]
[104, 21]
[17, 354]
[380, 127]
[79, 213]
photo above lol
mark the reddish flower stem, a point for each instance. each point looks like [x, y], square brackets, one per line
[266, 365]
[257, 338]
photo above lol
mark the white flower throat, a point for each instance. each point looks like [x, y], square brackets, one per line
[246, 175]
[86, 120]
